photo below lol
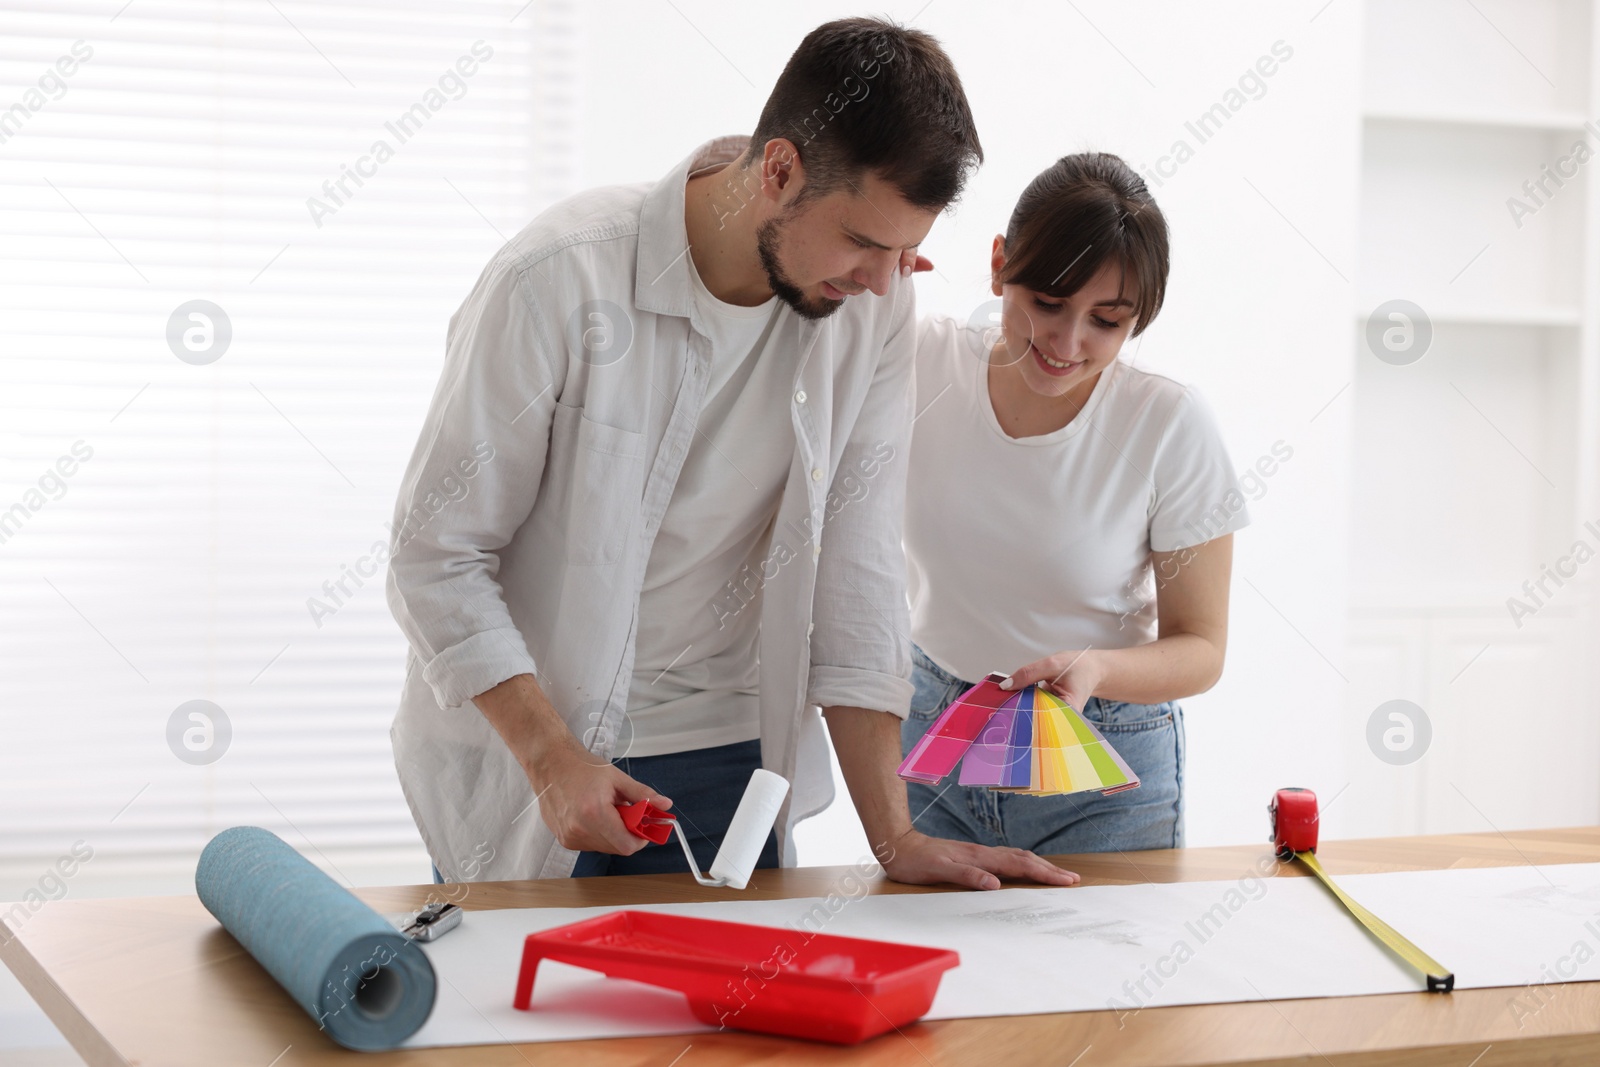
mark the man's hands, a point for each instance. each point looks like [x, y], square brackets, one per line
[1074, 676]
[578, 795]
[922, 860]
[577, 791]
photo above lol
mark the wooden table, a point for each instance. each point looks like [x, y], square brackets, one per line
[156, 982]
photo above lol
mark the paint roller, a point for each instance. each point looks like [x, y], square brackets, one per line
[741, 845]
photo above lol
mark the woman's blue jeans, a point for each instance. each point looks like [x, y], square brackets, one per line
[1148, 736]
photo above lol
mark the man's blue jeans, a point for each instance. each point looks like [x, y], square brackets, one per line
[1148, 736]
[705, 786]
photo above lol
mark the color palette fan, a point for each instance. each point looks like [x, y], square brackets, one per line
[1030, 741]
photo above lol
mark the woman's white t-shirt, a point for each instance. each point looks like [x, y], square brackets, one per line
[1023, 547]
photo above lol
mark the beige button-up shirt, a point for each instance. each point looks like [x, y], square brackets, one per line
[573, 377]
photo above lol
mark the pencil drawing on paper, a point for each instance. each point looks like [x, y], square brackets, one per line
[1059, 922]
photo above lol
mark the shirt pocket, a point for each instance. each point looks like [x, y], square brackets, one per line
[603, 486]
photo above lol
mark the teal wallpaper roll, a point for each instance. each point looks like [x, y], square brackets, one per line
[365, 983]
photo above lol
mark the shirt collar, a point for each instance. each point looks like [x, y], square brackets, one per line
[662, 281]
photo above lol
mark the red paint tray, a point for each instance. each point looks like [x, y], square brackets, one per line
[769, 979]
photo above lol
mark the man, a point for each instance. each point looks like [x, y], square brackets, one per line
[671, 435]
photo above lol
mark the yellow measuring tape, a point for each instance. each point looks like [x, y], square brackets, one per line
[1439, 979]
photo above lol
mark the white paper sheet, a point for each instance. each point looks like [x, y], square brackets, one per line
[1030, 951]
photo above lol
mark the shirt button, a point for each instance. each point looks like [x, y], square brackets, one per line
[810, 626]
[816, 550]
[800, 397]
[816, 474]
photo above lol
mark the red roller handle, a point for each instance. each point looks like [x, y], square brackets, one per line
[644, 819]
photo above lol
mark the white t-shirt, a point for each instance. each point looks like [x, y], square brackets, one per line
[695, 674]
[1023, 547]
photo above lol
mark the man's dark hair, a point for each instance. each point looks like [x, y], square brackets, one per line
[863, 95]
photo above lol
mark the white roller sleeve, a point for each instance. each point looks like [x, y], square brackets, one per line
[758, 810]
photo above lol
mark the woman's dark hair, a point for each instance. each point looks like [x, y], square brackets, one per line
[864, 94]
[1082, 212]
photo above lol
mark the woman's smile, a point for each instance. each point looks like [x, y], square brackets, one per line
[1052, 367]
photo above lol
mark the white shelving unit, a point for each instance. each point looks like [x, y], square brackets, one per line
[1475, 466]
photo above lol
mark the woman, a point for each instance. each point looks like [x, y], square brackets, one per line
[1069, 517]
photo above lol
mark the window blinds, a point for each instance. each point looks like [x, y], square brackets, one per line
[233, 235]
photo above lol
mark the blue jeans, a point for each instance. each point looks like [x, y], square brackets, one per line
[1148, 736]
[705, 786]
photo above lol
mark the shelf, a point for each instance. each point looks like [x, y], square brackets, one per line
[1551, 317]
[1558, 121]
[1481, 601]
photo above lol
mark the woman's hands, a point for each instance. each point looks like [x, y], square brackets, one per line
[1074, 676]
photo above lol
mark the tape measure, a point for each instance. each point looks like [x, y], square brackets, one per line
[1294, 837]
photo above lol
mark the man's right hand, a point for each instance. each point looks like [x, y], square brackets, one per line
[578, 794]
[577, 791]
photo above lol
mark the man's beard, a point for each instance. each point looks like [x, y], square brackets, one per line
[767, 235]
